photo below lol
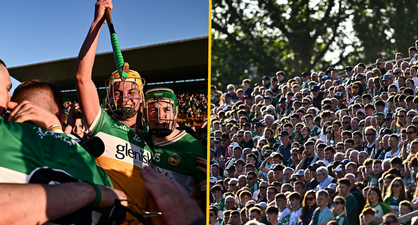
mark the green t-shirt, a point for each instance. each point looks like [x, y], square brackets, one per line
[316, 131]
[342, 219]
[176, 159]
[30, 154]
[220, 205]
[381, 208]
[393, 203]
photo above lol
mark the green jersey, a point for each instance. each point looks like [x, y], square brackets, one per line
[315, 132]
[342, 219]
[30, 154]
[176, 159]
[393, 203]
[126, 153]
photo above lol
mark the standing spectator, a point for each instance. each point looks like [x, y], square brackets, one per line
[344, 185]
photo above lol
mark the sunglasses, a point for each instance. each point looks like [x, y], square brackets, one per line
[310, 199]
[378, 64]
[295, 154]
[263, 187]
[336, 203]
[407, 73]
[355, 87]
[297, 105]
[409, 132]
[305, 103]
[396, 185]
[401, 116]
[211, 214]
[369, 134]
[340, 148]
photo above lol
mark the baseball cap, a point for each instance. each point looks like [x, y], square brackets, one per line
[300, 172]
[266, 78]
[389, 116]
[361, 111]
[338, 169]
[284, 133]
[247, 124]
[325, 77]
[233, 144]
[281, 100]
[267, 97]
[213, 180]
[228, 95]
[348, 68]
[387, 76]
[298, 79]
[262, 204]
[225, 136]
[305, 74]
[259, 124]
[274, 79]
[217, 139]
[315, 88]
[255, 120]
[313, 166]
[332, 186]
[338, 95]
[380, 115]
[231, 168]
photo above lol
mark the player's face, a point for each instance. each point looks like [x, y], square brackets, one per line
[126, 94]
[5, 86]
[161, 115]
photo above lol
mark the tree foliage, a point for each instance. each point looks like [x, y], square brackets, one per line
[384, 28]
[252, 38]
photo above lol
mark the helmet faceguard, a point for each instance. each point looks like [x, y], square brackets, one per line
[124, 95]
[162, 109]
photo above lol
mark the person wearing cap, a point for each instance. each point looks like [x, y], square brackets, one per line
[317, 96]
[239, 166]
[285, 147]
[266, 82]
[227, 101]
[349, 73]
[259, 131]
[219, 200]
[305, 80]
[174, 150]
[274, 86]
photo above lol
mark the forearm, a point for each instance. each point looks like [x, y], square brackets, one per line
[37, 204]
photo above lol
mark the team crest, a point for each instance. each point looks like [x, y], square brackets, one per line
[174, 159]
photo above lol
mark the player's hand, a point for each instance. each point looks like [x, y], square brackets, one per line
[171, 199]
[29, 112]
[99, 13]
[203, 162]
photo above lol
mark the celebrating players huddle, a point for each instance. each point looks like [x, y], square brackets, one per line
[36, 154]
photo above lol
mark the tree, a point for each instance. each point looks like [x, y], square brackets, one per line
[252, 38]
[384, 28]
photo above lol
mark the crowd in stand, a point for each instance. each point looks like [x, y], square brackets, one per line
[317, 148]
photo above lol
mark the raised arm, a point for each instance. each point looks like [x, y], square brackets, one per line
[86, 90]
[37, 204]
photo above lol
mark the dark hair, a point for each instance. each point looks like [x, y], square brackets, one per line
[2, 62]
[22, 90]
[305, 206]
[377, 190]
